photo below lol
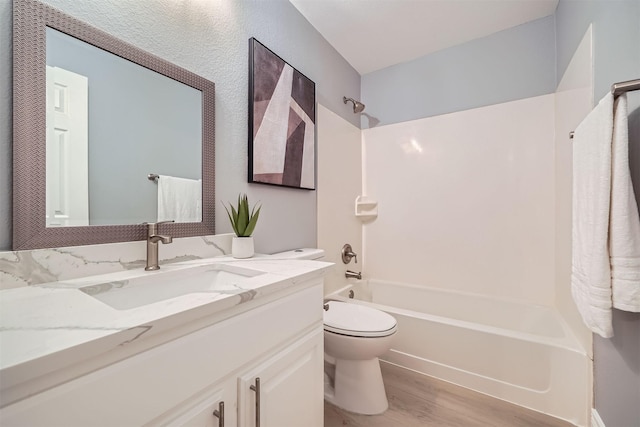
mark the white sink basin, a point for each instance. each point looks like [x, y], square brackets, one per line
[140, 291]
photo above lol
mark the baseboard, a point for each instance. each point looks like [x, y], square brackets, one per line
[596, 421]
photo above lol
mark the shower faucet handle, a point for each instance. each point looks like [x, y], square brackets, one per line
[347, 254]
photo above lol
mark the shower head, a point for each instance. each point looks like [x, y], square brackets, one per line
[358, 107]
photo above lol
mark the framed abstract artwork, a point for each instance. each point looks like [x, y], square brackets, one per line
[282, 117]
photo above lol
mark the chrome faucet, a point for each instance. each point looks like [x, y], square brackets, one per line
[152, 244]
[353, 275]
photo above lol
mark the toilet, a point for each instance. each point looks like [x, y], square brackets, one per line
[354, 337]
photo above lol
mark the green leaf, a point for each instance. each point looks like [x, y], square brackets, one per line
[243, 215]
[233, 223]
[252, 222]
[234, 214]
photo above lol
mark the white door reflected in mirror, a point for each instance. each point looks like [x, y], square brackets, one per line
[67, 149]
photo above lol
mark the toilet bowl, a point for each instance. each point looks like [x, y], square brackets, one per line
[354, 337]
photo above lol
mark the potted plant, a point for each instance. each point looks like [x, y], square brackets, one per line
[243, 223]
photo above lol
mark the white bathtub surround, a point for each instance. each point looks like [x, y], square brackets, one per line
[32, 267]
[573, 101]
[606, 226]
[482, 221]
[339, 183]
[596, 420]
[480, 217]
[483, 343]
[56, 327]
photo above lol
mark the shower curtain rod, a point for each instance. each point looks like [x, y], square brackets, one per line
[618, 89]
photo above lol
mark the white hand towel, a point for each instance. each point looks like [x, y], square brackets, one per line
[624, 222]
[179, 199]
[591, 273]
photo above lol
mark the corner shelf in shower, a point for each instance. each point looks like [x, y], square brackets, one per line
[366, 208]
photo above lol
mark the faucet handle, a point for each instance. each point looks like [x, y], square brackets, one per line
[347, 254]
[153, 226]
[158, 223]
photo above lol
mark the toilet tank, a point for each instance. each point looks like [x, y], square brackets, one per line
[304, 253]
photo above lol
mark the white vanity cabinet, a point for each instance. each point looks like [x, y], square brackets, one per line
[183, 381]
[284, 383]
[206, 409]
[283, 390]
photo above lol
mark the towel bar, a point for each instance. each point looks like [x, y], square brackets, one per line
[618, 89]
[153, 177]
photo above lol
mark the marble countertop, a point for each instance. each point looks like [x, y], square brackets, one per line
[43, 321]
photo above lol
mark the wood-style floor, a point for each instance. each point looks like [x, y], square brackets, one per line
[416, 400]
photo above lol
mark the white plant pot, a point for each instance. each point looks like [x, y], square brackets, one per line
[242, 247]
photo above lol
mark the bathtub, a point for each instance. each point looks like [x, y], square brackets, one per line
[521, 353]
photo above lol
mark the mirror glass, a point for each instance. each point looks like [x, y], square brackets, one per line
[94, 117]
[111, 123]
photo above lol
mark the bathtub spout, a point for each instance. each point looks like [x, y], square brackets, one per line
[353, 275]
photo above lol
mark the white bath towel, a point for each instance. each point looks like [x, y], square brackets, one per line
[179, 199]
[624, 222]
[604, 231]
[591, 272]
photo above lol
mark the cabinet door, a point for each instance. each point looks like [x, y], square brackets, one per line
[291, 387]
[199, 411]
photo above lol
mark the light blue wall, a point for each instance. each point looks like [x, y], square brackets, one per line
[616, 50]
[140, 122]
[509, 65]
[616, 36]
[210, 38]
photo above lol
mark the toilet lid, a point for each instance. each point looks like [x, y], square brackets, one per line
[358, 320]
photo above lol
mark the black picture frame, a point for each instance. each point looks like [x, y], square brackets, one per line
[282, 119]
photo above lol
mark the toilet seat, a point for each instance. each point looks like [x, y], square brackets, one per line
[358, 321]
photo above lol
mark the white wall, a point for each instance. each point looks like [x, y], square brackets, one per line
[339, 183]
[466, 200]
[573, 101]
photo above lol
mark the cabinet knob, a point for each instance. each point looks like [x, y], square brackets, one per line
[256, 388]
[220, 414]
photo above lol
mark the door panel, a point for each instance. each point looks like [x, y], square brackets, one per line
[67, 148]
